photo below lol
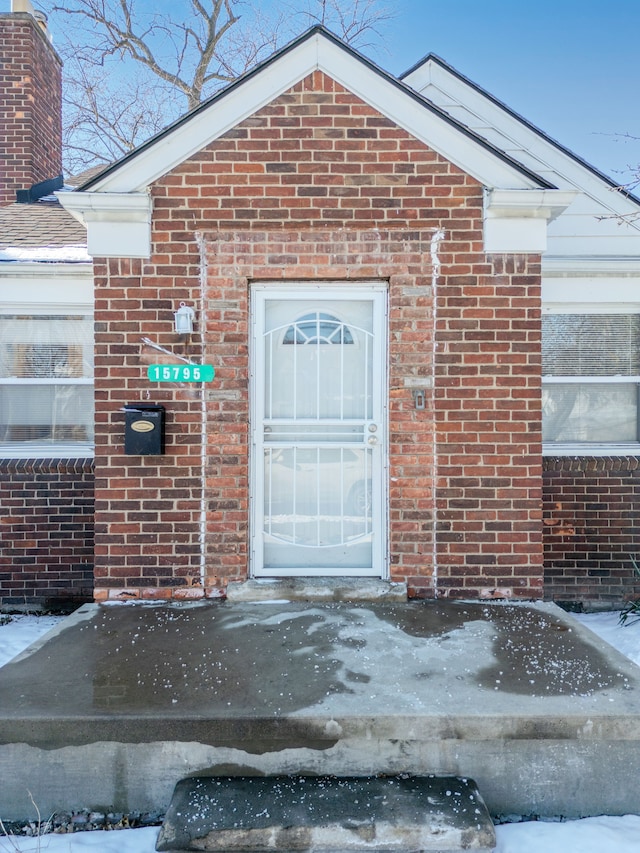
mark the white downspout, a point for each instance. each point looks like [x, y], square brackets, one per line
[202, 533]
[436, 239]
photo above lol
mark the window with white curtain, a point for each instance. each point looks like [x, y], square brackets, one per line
[591, 378]
[46, 380]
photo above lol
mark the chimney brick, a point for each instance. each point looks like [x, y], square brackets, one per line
[30, 105]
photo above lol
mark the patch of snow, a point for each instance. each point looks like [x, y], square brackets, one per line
[590, 835]
[46, 254]
[625, 639]
[117, 841]
[16, 635]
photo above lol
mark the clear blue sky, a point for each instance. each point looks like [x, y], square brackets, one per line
[571, 67]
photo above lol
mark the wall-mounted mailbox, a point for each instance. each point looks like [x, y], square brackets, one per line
[143, 429]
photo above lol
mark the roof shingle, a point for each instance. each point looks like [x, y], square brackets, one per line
[45, 223]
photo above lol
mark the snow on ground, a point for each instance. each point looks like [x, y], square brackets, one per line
[21, 631]
[625, 639]
[118, 841]
[591, 835]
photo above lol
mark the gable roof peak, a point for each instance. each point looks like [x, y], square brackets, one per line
[421, 72]
[316, 49]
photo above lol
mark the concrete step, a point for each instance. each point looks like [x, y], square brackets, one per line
[317, 589]
[327, 814]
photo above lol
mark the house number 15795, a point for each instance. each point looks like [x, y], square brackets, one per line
[180, 372]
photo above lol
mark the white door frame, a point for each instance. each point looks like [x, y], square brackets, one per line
[331, 292]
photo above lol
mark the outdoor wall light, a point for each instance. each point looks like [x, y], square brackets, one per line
[184, 319]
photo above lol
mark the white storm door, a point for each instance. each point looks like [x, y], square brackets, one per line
[318, 431]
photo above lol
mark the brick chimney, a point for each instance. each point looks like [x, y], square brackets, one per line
[30, 104]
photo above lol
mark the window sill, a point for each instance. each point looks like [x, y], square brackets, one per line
[595, 449]
[47, 451]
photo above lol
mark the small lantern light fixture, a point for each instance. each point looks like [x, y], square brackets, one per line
[184, 319]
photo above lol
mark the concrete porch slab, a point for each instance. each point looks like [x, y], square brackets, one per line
[122, 701]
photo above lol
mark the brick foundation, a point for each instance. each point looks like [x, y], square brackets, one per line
[46, 533]
[592, 527]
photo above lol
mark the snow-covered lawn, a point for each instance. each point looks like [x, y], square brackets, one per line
[591, 835]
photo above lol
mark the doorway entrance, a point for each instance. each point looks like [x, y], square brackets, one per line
[319, 394]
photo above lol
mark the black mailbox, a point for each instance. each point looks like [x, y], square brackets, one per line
[144, 429]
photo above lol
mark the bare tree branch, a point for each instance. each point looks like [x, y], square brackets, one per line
[127, 68]
[627, 187]
[359, 22]
[102, 123]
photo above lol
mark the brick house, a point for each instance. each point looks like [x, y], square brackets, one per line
[423, 319]
[46, 330]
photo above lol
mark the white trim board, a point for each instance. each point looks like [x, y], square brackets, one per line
[316, 52]
[524, 143]
[44, 296]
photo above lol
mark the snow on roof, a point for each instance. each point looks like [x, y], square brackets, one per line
[45, 254]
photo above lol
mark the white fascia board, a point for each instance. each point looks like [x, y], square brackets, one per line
[516, 220]
[601, 294]
[317, 53]
[43, 271]
[46, 288]
[118, 224]
[566, 170]
[43, 294]
[591, 266]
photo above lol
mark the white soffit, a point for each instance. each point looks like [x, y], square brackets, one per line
[514, 135]
[317, 52]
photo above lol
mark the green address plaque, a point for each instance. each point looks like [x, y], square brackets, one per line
[180, 372]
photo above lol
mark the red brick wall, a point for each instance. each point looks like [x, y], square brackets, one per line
[396, 256]
[318, 186]
[148, 508]
[489, 429]
[592, 527]
[30, 106]
[46, 532]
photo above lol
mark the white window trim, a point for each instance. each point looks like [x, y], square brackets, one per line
[576, 450]
[49, 451]
[45, 289]
[604, 302]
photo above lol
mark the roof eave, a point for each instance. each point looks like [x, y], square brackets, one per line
[434, 58]
[101, 181]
